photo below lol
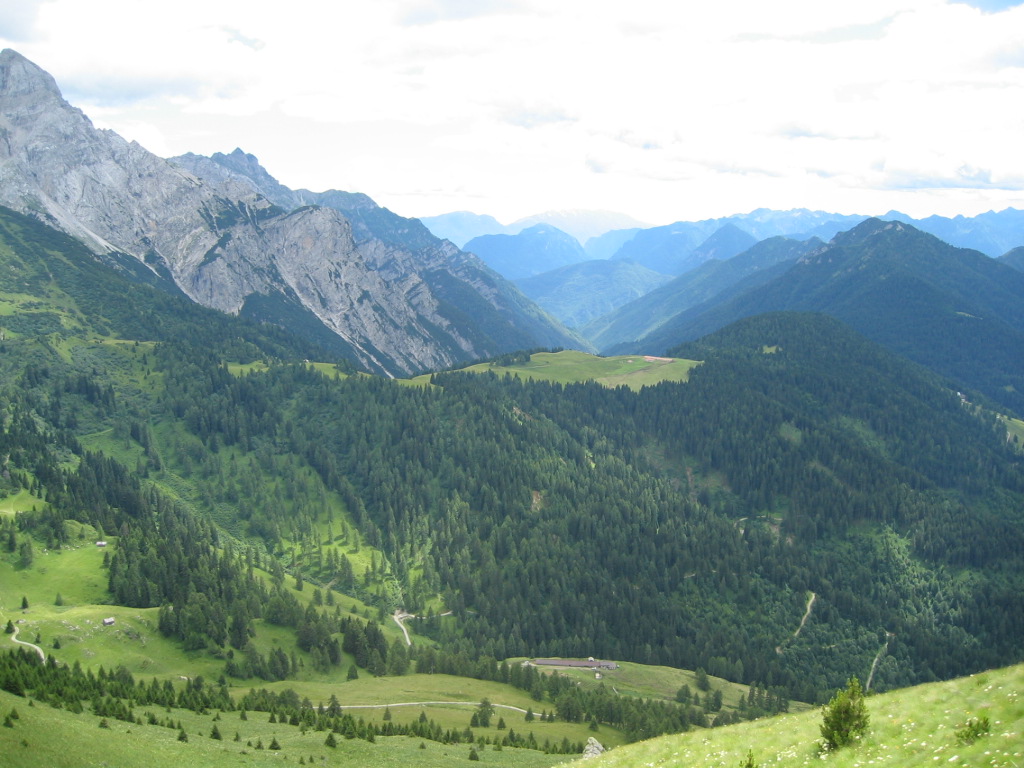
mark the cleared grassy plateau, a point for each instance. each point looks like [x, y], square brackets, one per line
[570, 366]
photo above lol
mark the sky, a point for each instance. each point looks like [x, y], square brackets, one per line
[665, 110]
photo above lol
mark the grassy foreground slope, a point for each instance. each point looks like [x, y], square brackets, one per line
[53, 738]
[909, 727]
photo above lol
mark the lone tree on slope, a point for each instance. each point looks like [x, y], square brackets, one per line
[845, 717]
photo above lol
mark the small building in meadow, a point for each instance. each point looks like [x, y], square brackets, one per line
[108, 622]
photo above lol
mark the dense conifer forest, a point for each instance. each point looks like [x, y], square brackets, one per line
[689, 524]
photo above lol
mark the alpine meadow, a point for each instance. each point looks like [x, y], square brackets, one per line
[285, 476]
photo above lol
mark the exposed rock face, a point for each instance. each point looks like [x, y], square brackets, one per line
[593, 748]
[229, 244]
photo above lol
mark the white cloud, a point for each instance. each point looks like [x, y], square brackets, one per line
[664, 111]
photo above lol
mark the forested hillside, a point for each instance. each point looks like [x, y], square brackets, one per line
[802, 479]
[950, 309]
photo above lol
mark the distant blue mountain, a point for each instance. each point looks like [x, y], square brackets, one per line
[951, 309]
[714, 279]
[992, 233]
[462, 226]
[537, 249]
[1014, 258]
[578, 293]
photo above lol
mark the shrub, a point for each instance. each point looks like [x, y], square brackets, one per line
[973, 730]
[845, 717]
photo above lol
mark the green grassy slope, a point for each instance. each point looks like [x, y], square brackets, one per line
[52, 738]
[570, 366]
[910, 727]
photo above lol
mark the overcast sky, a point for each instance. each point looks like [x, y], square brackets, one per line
[662, 109]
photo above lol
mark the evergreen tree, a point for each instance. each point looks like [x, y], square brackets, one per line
[845, 717]
[702, 679]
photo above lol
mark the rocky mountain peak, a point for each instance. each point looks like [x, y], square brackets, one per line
[355, 276]
[21, 78]
[247, 165]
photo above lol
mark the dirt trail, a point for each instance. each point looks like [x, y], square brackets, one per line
[14, 639]
[878, 657]
[399, 616]
[807, 614]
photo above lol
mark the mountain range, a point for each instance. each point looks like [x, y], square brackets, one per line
[639, 318]
[954, 310]
[200, 485]
[536, 249]
[676, 250]
[796, 456]
[369, 285]
[579, 293]
[993, 233]
[462, 226]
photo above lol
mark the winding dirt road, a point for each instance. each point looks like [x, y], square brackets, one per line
[878, 657]
[401, 615]
[14, 639]
[807, 614]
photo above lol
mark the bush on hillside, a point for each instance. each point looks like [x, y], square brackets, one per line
[845, 717]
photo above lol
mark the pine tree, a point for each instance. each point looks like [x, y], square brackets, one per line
[702, 679]
[845, 717]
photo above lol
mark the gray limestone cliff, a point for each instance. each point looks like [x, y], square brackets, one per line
[400, 303]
